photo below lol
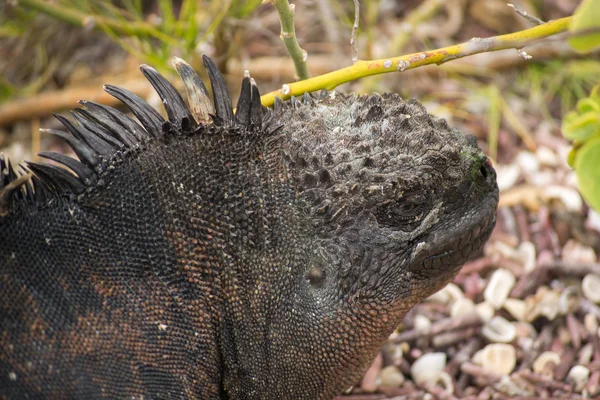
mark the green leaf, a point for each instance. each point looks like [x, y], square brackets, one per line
[586, 27]
[587, 166]
[581, 127]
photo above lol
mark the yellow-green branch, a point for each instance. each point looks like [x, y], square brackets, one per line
[361, 69]
[288, 35]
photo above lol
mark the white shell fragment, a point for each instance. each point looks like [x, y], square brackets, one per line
[516, 308]
[569, 197]
[500, 358]
[499, 330]
[485, 311]
[544, 303]
[391, 376]
[449, 293]
[499, 286]
[569, 300]
[447, 382]
[591, 323]
[514, 386]
[579, 377]
[421, 322]
[591, 287]
[526, 255]
[546, 156]
[507, 175]
[574, 251]
[539, 365]
[428, 368]
[462, 307]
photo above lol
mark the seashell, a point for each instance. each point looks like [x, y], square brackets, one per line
[500, 358]
[528, 162]
[525, 330]
[500, 284]
[569, 300]
[514, 386]
[439, 297]
[462, 306]
[543, 303]
[591, 287]
[591, 323]
[485, 311]
[507, 175]
[449, 293]
[579, 377]
[546, 156]
[447, 382]
[574, 251]
[539, 365]
[585, 354]
[568, 196]
[427, 369]
[592, 221]
[516, 308]
[526, 254]
[499, 330]
[391, 376]
[499, 247]
[421, 322]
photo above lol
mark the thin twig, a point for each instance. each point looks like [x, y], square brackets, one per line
[531, 18]
[365, 68]
[288, 35]
[353, 39]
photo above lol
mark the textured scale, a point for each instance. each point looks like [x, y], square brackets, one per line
[265, 254]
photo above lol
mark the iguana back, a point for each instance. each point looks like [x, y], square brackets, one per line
[262, 254]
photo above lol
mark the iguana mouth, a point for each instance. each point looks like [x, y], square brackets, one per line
[450, 252]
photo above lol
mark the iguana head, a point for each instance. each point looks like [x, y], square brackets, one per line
[396, 202]
[291, 241]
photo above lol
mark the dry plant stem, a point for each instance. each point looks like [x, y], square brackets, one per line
[46, 102]
[353, 40]
[363, 68]
[131, 28]
[288, 35]
[439, 327]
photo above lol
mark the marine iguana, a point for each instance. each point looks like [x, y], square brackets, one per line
[261, 254]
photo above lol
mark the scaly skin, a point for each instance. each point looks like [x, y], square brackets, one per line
[238, 260]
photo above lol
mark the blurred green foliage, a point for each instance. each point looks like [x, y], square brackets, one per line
[582, 126]
[585, 29]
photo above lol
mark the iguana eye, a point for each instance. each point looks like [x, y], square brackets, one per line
[315, 276]
[405, 213]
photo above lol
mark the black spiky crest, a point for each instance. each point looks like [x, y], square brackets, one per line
[102, 135]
